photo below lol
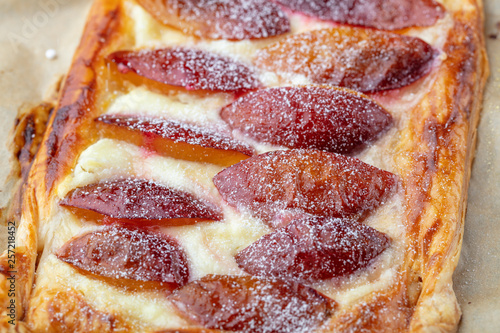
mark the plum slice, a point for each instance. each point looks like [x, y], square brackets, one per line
[126, 253]
[361, 59]
[176, 139]
[380, 14]
[304, 180]
[313, 248]
[331, 119]
[250, 304]
[221, 19]
[141, 200]
[188, 68]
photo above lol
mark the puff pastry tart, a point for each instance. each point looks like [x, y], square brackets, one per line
[253, 166]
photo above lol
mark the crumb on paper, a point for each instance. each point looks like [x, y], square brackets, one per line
[51, 54]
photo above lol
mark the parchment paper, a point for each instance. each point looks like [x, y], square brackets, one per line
[30, 29]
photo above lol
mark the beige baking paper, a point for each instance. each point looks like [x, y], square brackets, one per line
[37, 41]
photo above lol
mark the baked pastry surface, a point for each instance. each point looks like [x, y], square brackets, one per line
[429, 148]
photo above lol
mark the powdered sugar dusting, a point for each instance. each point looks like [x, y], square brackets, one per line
[312, 248]
[247, 304]
[335, 120]
[179, 132]
[189, 68]
[143, 310]
[380, 14]
[310, 181]
[221, 19]
[128, 253]
[360, 59]
[139, 199]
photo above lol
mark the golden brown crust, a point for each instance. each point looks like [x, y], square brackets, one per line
[433, 156]
[77, 102]
[449, 115]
